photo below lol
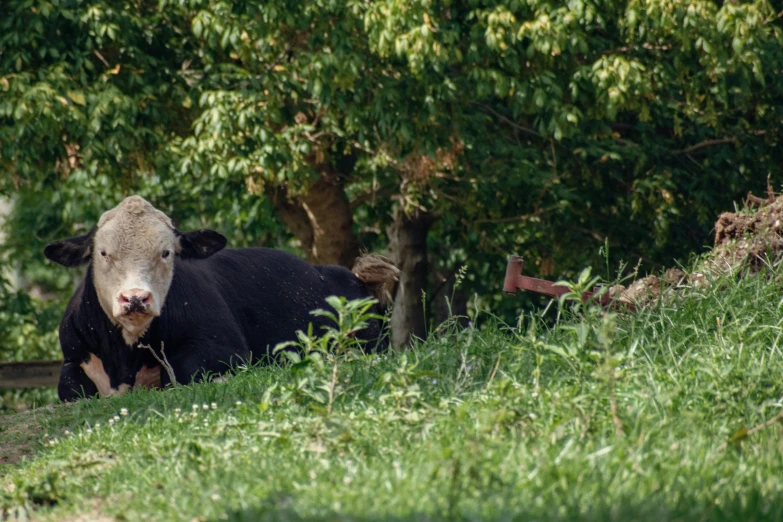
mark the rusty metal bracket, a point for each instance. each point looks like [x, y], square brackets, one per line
[516, 281]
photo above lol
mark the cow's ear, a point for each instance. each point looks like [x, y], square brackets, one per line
[70, 252]
[200, 243]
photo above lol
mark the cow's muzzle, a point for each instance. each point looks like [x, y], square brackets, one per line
[136, 305]
[136, 302]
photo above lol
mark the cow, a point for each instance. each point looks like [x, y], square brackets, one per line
[153, 294]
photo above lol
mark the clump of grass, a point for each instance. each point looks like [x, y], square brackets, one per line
[603, 416]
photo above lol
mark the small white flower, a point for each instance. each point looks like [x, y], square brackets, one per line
[116, 418]
[124, 412]
[239, 403]
[213, 405]
[111, 422]
[205, 406]
[195, 407]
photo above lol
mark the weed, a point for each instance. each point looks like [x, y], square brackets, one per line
[316, 353]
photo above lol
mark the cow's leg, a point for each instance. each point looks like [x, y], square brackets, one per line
[195, 361]
[74, 383]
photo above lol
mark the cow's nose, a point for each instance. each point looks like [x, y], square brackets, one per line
[136, 294]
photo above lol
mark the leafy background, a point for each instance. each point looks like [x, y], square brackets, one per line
[552, 129]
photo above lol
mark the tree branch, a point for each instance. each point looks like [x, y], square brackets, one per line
[626, 143]
[765, 424]
[515, 125]
[513, 219]
[163, 362]
[645, 46]
[370, 195]
[703, 144]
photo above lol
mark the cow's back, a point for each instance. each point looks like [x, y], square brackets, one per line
[267, 293]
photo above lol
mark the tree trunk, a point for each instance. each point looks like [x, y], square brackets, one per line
[408, 249]
[322, 220]
[448, 301]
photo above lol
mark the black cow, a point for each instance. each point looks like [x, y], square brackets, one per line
[222, 306]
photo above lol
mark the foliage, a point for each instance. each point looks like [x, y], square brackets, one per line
[536, 127]
[26, 327]
[28, 331]
[499, 423]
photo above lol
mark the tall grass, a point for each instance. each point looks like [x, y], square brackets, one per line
[602, 417]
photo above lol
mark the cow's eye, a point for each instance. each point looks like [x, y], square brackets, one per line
[103, 253]
[165, 254]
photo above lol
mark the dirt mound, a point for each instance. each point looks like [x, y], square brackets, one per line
[751, 237]
[744, 241]
[648, 290]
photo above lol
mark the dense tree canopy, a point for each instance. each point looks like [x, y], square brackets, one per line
[540, 127]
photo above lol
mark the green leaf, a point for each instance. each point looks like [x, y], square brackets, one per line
[77, 98]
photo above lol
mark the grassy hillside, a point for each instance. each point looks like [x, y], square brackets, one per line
[601, 418]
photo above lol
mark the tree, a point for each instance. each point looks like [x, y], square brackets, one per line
[627, 122]
[449, 132]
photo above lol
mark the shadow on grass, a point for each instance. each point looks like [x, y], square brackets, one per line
[20, 435]
[754, 506]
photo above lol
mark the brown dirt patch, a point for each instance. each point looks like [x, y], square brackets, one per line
[19, 432]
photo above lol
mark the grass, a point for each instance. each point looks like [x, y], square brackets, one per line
[602, 417]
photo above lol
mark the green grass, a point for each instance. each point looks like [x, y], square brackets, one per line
[483, 424]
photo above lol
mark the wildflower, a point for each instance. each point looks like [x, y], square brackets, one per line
[213, 405]
[195, 407]
[204, 406]
[239, 403]
[124, 412]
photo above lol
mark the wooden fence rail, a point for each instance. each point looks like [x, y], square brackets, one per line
[29, 374]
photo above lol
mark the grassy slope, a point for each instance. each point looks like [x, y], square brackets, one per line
[439, 434]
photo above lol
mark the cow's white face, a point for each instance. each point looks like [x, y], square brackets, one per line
[133, 264]
[132, 251]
